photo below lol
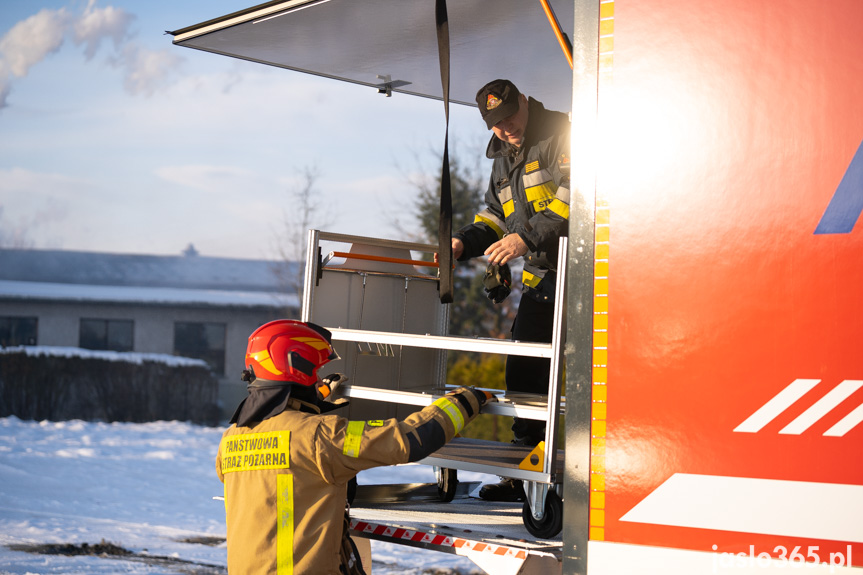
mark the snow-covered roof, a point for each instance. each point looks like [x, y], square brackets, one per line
[27, 290]
[188, 271]
[127, 356]
[58, 275]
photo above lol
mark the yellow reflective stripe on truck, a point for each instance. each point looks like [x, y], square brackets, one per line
[599, 397]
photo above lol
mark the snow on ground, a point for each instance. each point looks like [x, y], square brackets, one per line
[147, 488]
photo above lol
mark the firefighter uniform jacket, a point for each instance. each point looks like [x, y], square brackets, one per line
[286, 478]
[528, 195]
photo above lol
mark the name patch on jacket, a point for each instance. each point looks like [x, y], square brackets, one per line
[251, 451]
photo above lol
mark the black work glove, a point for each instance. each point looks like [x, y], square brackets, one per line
[481, 395]
[497, 282]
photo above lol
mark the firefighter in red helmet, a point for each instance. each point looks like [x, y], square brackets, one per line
[286, 463]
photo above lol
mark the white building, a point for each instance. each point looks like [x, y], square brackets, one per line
[190, 305]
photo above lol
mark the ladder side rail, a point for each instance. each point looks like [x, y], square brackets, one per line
[310, 275]
[557, 349]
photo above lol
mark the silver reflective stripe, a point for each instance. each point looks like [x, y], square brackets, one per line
[505, 194]
[536, 178]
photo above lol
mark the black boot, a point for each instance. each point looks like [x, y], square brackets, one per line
[507, 490]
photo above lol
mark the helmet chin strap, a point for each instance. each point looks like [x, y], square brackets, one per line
[255, 383]
[269, 383]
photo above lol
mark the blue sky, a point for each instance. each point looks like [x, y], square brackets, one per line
[113, 139]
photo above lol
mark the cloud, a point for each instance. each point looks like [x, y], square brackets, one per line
[32, 40]
[21, 181]
[147, 71]
[211, 179]
[99, 23]
[27, 43]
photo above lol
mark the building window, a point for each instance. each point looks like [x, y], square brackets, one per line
[201, 341]
[18, 331]
[111, 334]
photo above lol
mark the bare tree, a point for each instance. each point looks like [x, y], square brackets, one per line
[13, 237]
[303, 211]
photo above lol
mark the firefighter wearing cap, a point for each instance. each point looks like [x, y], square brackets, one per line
[527, 211]
[286, 463]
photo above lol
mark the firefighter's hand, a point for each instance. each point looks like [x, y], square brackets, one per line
[509, 248]
[329, 384]
[457, 250]
[489, 397]
[482, 396]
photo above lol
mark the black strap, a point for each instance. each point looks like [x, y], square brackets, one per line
[445, 221]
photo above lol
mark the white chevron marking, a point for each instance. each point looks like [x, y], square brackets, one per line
[847, 423]
[822, 407]
[780, 402]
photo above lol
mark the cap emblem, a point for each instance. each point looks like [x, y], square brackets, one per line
[492, 102]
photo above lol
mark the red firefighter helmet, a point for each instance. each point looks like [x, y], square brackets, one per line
[290, 351]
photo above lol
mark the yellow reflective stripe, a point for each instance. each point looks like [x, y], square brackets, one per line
[544, 198]
[488, 219]
[560, 204]
[314, 342]
[452, 411]
[559, 208]
[285, 524]
[505, 196]
[529, 279]
[540, 193]
[263, 357]
[508, 208]
[250, 451]
[353, 438]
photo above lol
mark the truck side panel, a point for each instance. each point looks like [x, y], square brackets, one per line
[727, 417]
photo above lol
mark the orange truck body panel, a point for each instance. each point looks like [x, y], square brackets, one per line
[732, 173]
